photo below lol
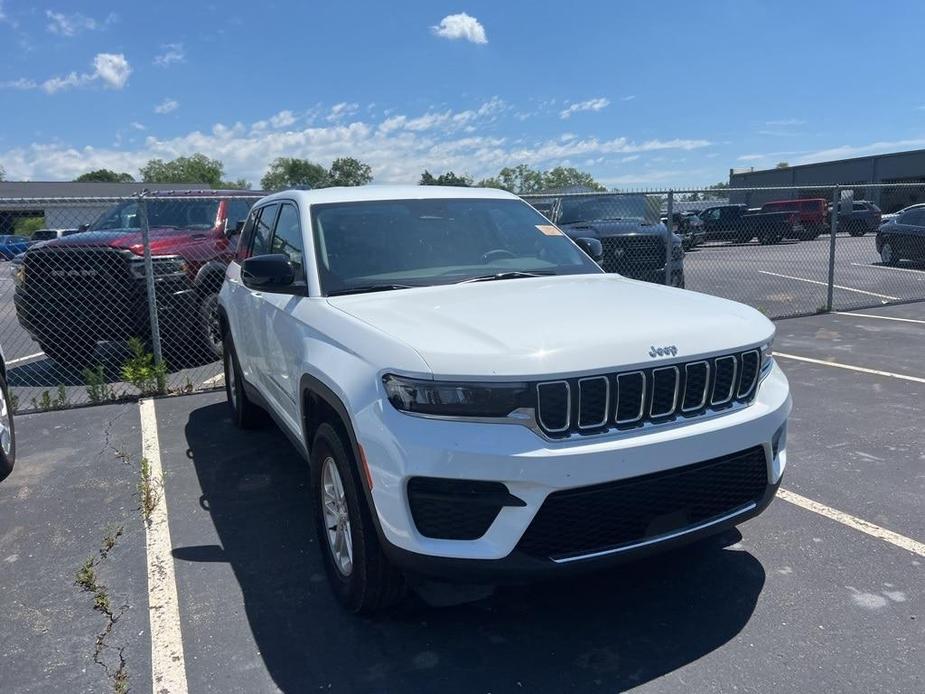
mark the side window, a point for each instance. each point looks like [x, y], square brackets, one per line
[287, 239]
[262, 229]
[247, 234]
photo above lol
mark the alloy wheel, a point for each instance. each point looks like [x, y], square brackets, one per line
[336, 517]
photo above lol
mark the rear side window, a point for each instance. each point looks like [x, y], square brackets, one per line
[262, 230]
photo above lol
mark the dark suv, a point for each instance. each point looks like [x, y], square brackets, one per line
[74, 291]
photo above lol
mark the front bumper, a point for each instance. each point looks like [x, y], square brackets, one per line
[399, 447]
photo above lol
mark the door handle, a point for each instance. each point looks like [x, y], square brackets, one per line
[256, 295]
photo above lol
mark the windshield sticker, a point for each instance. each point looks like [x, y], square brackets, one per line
[549, 229]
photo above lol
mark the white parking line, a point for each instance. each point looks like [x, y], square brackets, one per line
[214, 381]
[860, 524]
[168, 665]
[871, 315]
[861, 369]
[26, 358]
[921, 273]
[837, 286]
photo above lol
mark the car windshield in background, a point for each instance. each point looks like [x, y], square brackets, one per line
[630, 208]
[44, 235]
[368, 246]
[162, 214]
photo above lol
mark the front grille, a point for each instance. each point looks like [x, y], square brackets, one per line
[633, 256]
[608, 516]
[654, 395]
[85, 288]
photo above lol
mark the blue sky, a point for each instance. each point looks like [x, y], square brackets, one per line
[639, 93]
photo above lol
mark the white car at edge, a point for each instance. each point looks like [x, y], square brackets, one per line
[479, 401]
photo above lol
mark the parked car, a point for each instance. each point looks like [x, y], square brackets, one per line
[813, 214]
[51, 234]
[74, 291]
[740, 224]
[478, 401]
[7, 431]
[12, 245]
[864, 217]
[903, 238]
[634, 242]
[893, 215]
[688, 226]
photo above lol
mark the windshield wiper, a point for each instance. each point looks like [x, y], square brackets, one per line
[369, 288]
[510, 275]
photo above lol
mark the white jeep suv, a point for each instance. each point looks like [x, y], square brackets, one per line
[479, 401]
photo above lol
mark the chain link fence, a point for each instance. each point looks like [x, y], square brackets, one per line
[108, 298]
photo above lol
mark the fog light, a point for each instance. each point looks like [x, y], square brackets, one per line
[779, 436]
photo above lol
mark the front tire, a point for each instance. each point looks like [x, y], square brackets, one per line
[359, 573]
[209, 327]
[888, 254]
[7, 432]
[770, 238]
[244, 413]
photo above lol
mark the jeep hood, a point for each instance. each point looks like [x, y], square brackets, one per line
[162, 240]
[549, 326]
[604, 228]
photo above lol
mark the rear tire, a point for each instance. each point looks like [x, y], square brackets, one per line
[7, 432]
[244, 413]
[857, 229]
[770, 238]
[365, 581]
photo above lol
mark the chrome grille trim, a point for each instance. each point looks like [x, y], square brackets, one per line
[568, 406]
[674, 398]
[606, 401]
[706, 385]
[754, 382]
[642, 398]
[732, 382]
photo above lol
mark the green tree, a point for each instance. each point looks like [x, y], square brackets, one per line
[289, 172]
[445, 179]
[104, 176]
[197, 168]
[238, 184]
[347, 171]
[26, 226]
[567, 177]
[782, 165]
[718, 191]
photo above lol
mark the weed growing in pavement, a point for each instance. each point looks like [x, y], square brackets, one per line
[141, 371]
[149, 490]
[98, 388]
[14, 403]
[47, 402]
[86, 579]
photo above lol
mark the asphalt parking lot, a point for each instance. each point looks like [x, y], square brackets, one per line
[820, 596]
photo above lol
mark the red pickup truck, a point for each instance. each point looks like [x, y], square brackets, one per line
[75, 291]
[813, 214]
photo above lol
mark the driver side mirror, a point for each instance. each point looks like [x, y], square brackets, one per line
[234, 230]
[273, 273]
[592, 248]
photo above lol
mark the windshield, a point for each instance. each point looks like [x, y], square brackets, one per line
[170, 214]
[364, 245]
[44, 235]
[632, 208]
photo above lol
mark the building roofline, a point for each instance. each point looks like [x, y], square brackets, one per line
[868, 157]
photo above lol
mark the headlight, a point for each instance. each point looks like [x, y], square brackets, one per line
[456, 399]
[163, 266]
[18, 272]
[767, 358]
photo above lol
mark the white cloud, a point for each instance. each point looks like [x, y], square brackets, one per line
[283, 119]
[632, 157]
[461, 26]
[167, 106]
[112, 70]
[137, 126]
[342, 110]
[785, 123]
[848, 151]
[752, 157]
[628, 98]
[170, 53]
[75, 23]
[589, 105]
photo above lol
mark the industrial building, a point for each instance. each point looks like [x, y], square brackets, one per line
[898, 167]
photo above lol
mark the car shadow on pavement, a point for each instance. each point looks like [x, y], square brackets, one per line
[612, 630]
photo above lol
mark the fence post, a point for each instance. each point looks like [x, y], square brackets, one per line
[833, 227]
[669, 221]
[149, 280]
